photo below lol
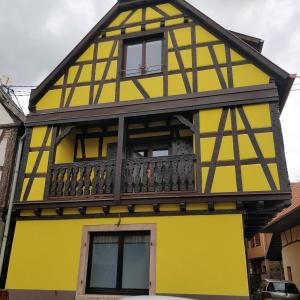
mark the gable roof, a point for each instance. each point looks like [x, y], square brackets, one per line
[10, 105]
[252, 41]
[283, 79]
[290, 216]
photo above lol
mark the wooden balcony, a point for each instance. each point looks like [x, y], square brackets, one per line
[140, 175]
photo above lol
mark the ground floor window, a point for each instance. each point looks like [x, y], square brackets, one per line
[119, 263]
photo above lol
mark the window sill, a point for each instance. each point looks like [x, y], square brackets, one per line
[99, 297]
[159, 73]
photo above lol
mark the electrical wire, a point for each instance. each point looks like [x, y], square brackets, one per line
[12, 91]
[22, 86]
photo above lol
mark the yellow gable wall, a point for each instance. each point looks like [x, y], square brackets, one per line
[92, 79]
[251, 144]
[178, 247]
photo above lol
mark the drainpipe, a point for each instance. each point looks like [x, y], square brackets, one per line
[11, 201]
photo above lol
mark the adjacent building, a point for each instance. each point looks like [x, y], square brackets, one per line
[152, 151]
[286, 229]
[11, 129]
[259, 266]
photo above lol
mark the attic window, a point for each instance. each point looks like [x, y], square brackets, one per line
[142, 57]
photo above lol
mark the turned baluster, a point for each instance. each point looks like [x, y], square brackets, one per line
[102, 178]
[68, 182]
[137, 177]
[87, 180]
[53, 183]
[182, 175]
[167, 176]
[74, 181]
[151, 172]
[109, 179]
[174, 176]
[158, 176]
[129, 177]
[190, 175]
[144, 179]
[95, 181]
[80, 182]
[60, 184]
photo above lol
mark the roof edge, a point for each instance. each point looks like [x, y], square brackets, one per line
[286, 89]
[254, 42]
[284, 222]
[11, 106]
[240, 44]
[79, 48]
[283, 78]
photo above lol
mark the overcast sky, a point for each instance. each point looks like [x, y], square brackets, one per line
[35, 35]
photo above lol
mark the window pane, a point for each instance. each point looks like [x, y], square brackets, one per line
[153, 57]
[291, 288]
[139, 154]
[104, 262]
[134, 60]
[160, 153]
[136, 259]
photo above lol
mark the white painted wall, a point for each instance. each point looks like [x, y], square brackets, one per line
[2, 151]
[5, 118]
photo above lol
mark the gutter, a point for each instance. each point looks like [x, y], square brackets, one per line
[11, 201]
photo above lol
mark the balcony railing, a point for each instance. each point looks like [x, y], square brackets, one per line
[164, 174]
[141, 175]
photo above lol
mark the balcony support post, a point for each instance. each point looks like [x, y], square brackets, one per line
[198, 152]
[119, 159]
[51, 161]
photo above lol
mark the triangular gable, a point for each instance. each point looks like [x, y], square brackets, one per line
[9, 111]
[120, 14]
[5, 118]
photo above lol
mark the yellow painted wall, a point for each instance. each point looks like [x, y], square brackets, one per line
[246, 74]
[188, 255]
[259, 117]
[37, 185]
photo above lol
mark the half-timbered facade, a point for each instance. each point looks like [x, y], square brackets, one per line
[11, 129]
[153, 144]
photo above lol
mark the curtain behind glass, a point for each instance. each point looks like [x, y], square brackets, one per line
[136, 260]
[134, 60]
[104, 262]
[153, 57]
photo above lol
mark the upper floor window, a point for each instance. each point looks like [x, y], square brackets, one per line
[257, 240]
[143, 57]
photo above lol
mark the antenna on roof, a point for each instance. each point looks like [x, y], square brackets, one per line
[5, 80]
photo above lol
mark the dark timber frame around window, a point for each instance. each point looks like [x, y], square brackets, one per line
[118, 290]
[143, 42]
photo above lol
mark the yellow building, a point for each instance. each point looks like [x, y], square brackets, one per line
[152, 151]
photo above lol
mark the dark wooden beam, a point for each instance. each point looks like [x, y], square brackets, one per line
[156, 207]
[198, 153]
[186, 122]
[82, 210]
[131, 208]
[119, 159]
[164, 105]
[64, 134]
[59, 211]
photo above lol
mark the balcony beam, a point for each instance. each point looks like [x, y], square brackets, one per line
[186, 122]
[119, 159]
[198, 153]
